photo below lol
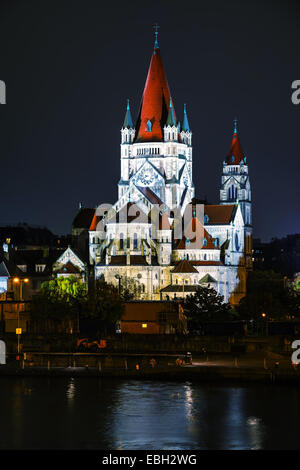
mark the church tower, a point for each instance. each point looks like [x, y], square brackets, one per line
[127, 138]
[236, 189]
[156, 153]
[235, 186]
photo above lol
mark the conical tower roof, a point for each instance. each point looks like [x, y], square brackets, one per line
[171, 121]
[185, 125]
[155, 102]
[128, 119]
[236, 154]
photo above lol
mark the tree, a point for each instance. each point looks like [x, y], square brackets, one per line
[59, 300]
[105, 304]
[129, 288]
[267, 294]
[204, 306]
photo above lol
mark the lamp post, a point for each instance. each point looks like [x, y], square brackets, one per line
[264, 315]
[19, 281]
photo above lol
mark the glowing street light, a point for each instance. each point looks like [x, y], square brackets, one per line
[264, 315]
[20, 281]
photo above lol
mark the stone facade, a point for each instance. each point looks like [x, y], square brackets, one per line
[157, 222]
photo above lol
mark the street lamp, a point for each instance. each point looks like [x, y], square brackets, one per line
[19, 281]
[264, 315]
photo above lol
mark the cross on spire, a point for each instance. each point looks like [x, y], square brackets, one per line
[156, 27]
[235, 121]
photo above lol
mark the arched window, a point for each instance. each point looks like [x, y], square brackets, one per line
[149, 126]
[206, 219]
[135, 241]
[204, 257]
[121, 241]
[232, 192]
[204, 242]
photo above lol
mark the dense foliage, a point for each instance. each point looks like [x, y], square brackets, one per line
[68, 299]
[59, 298]
[267, 295]
[204, 306]
[104, 303]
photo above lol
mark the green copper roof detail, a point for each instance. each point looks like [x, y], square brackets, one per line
[128, 119]
[171, 118]
[185, 125]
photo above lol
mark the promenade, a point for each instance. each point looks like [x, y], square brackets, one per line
[265, 368]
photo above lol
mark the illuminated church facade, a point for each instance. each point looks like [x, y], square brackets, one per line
[157, 234]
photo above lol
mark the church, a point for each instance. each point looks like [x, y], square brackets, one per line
[158, 237]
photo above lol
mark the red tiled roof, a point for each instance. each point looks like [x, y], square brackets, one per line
[96, 223]
[164, 223]
[83, 218]
[159, 219]
[155, 102]
[219, 214]
[150, 195]
[184, 266]
[68, 268]
[196, 233]
[135, 260]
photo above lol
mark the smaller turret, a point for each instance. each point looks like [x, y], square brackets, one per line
[127, 138]
[128, 130]
[186, 133]
[171, 128]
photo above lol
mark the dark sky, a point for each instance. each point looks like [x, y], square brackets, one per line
[69, 67]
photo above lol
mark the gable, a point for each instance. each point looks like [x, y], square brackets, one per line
[147, 175]
[69, 256]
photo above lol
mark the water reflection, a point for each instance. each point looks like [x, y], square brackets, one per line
[71, 389]
[256, 430]
[89, 413]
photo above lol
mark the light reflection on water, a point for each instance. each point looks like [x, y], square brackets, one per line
[90, 413]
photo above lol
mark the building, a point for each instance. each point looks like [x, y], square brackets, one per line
[157, 233]
[27, 253]
[153, 317]
[282, 255]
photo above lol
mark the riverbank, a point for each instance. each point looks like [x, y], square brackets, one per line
[196, 373]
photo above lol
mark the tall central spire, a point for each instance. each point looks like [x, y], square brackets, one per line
[236, 154]
[155, 101]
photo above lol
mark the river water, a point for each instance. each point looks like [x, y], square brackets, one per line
[92, 413]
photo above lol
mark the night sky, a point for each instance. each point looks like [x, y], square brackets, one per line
[69, 67]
